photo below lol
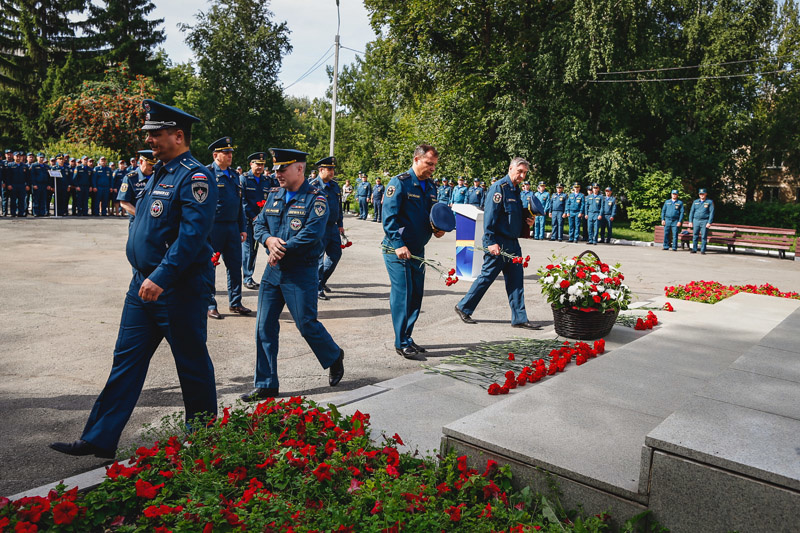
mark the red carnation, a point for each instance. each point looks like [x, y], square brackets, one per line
[564, 284]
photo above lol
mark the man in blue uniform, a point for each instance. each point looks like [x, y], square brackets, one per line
[255, 187]
[82, 181]
[169, 250]
[229, 230]
[609, 212]
[5, 194]
[459, 195]
[363, 191]
[476, 194]
[594, 213]
[119, 176]
[701, 216]
[102, 180]
[556, 208]
[575, 209]
[444, 193]
[407, 228]
[503, 217]
[539, 221]
[377, 200]
[292, 227]
[334, 227]
[40, 178]
[671, 219]
[18, 182]
[135, 182]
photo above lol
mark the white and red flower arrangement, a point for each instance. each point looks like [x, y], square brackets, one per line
[585, 284]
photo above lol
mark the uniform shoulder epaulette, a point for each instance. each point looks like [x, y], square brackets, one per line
[130, 174]
[314, 190]
[273, 189]
[189, 163]
[403, 176]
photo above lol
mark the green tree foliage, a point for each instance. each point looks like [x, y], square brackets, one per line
[239, 50]
[647, 197]
[121, 31]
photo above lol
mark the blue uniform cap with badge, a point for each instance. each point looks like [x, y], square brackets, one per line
[327, 162]
[442, 218]
[160, 116]
[608, 188]
[576, 184]
[224, 144]
[259, 158]
[541, 183]
[147, 155]
[674, 191]
[283, 157]
[560, 186]
[702, 191]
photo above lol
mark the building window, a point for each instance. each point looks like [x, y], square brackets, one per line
[770, 193]
[797, 195]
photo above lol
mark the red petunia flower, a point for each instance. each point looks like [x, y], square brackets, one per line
[322, 472]
[147, 490]
[65, 512]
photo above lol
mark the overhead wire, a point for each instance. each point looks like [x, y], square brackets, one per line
[722, 76]
[660, 69]
[318, 63]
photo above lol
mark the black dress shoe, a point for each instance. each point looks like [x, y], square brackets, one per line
[258, 394]
[526, 325]
[326, 288]
[321, 295]
[336, 371]
[81, 447]
[242, 310]
[417, 347]
[213, 313]
[408, 352]
[252, 285]
[464, 316]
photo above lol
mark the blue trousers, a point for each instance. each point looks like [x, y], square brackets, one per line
[295, 288]
[330, 256]
[102, 197]
[574, 228]
[249, 252]
[699, 231]
[19, 206]
[592, 226]
[225, 238]
[83, 201]
[671, 231]
[538, 228]
[363, 207]
[179, 315]
[606, 223]
[557, 226]
[407, 277]
[513, 275]
[378, 210]
[5, 197]
[40, 205]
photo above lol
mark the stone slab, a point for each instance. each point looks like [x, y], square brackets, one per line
[750, 442]
[770, 362]
[687, 497]
[355, 395]
[755, 391]
[785, 335]
[400, 381]
[588, 441]
[84, 481]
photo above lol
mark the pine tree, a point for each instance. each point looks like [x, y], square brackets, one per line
[122, 32]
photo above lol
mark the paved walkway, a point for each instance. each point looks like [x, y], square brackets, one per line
[64, 281]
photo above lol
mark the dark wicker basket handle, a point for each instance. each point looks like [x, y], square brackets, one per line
[572, 270]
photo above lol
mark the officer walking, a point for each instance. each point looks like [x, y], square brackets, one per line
[459, 195]
[292, 227]
[594, 213]
[229, 230]
[40, 178]
[334, 227]
[556, 208]
[502, 219]
[255, 187]
[701, 216]
[475, 194]
[102, 180]
[82, 181]
[406, 225]
[135, 182]
[377, 200]
[609, 211]
[575, 210]
[364, 192]
[169, 251]
[539, 221]
[671, 219]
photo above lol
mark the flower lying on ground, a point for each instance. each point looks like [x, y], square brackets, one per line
[585, 284]
[712, 292]
[650, 320]
[668, 307]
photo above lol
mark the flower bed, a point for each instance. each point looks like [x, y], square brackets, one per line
[288, 466]
[711, 292]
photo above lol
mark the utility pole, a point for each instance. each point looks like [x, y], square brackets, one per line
[335, 79]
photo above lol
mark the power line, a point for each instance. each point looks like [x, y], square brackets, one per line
[692, 66]
[400, 62]
[318, 63]
[649, 80]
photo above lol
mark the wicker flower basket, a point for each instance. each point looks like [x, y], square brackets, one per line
[582, 325]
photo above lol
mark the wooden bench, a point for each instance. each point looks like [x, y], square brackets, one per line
[733, 235]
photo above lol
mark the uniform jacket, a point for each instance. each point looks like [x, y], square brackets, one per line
[407, 211]
[502, 218]
[229, 197]
[102, 177]
[169, 237]
[377, 193]
[459, 195]
[672, 210]
[40, 174]
[476, 196]
[364, 189]
[18, 174]
[444, 194]
[576, 204]
[557, 203]
[333, 194]
[544, 199]
[609, 206]
[300, 222]
[702, 211]
[132, 188]
[594, 205]
[254, 191]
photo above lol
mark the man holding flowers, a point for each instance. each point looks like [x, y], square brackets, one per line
[502, 222]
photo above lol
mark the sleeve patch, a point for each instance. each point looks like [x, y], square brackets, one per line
[390, 191]
[199, 176]
[200, 190]
[320, 207]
